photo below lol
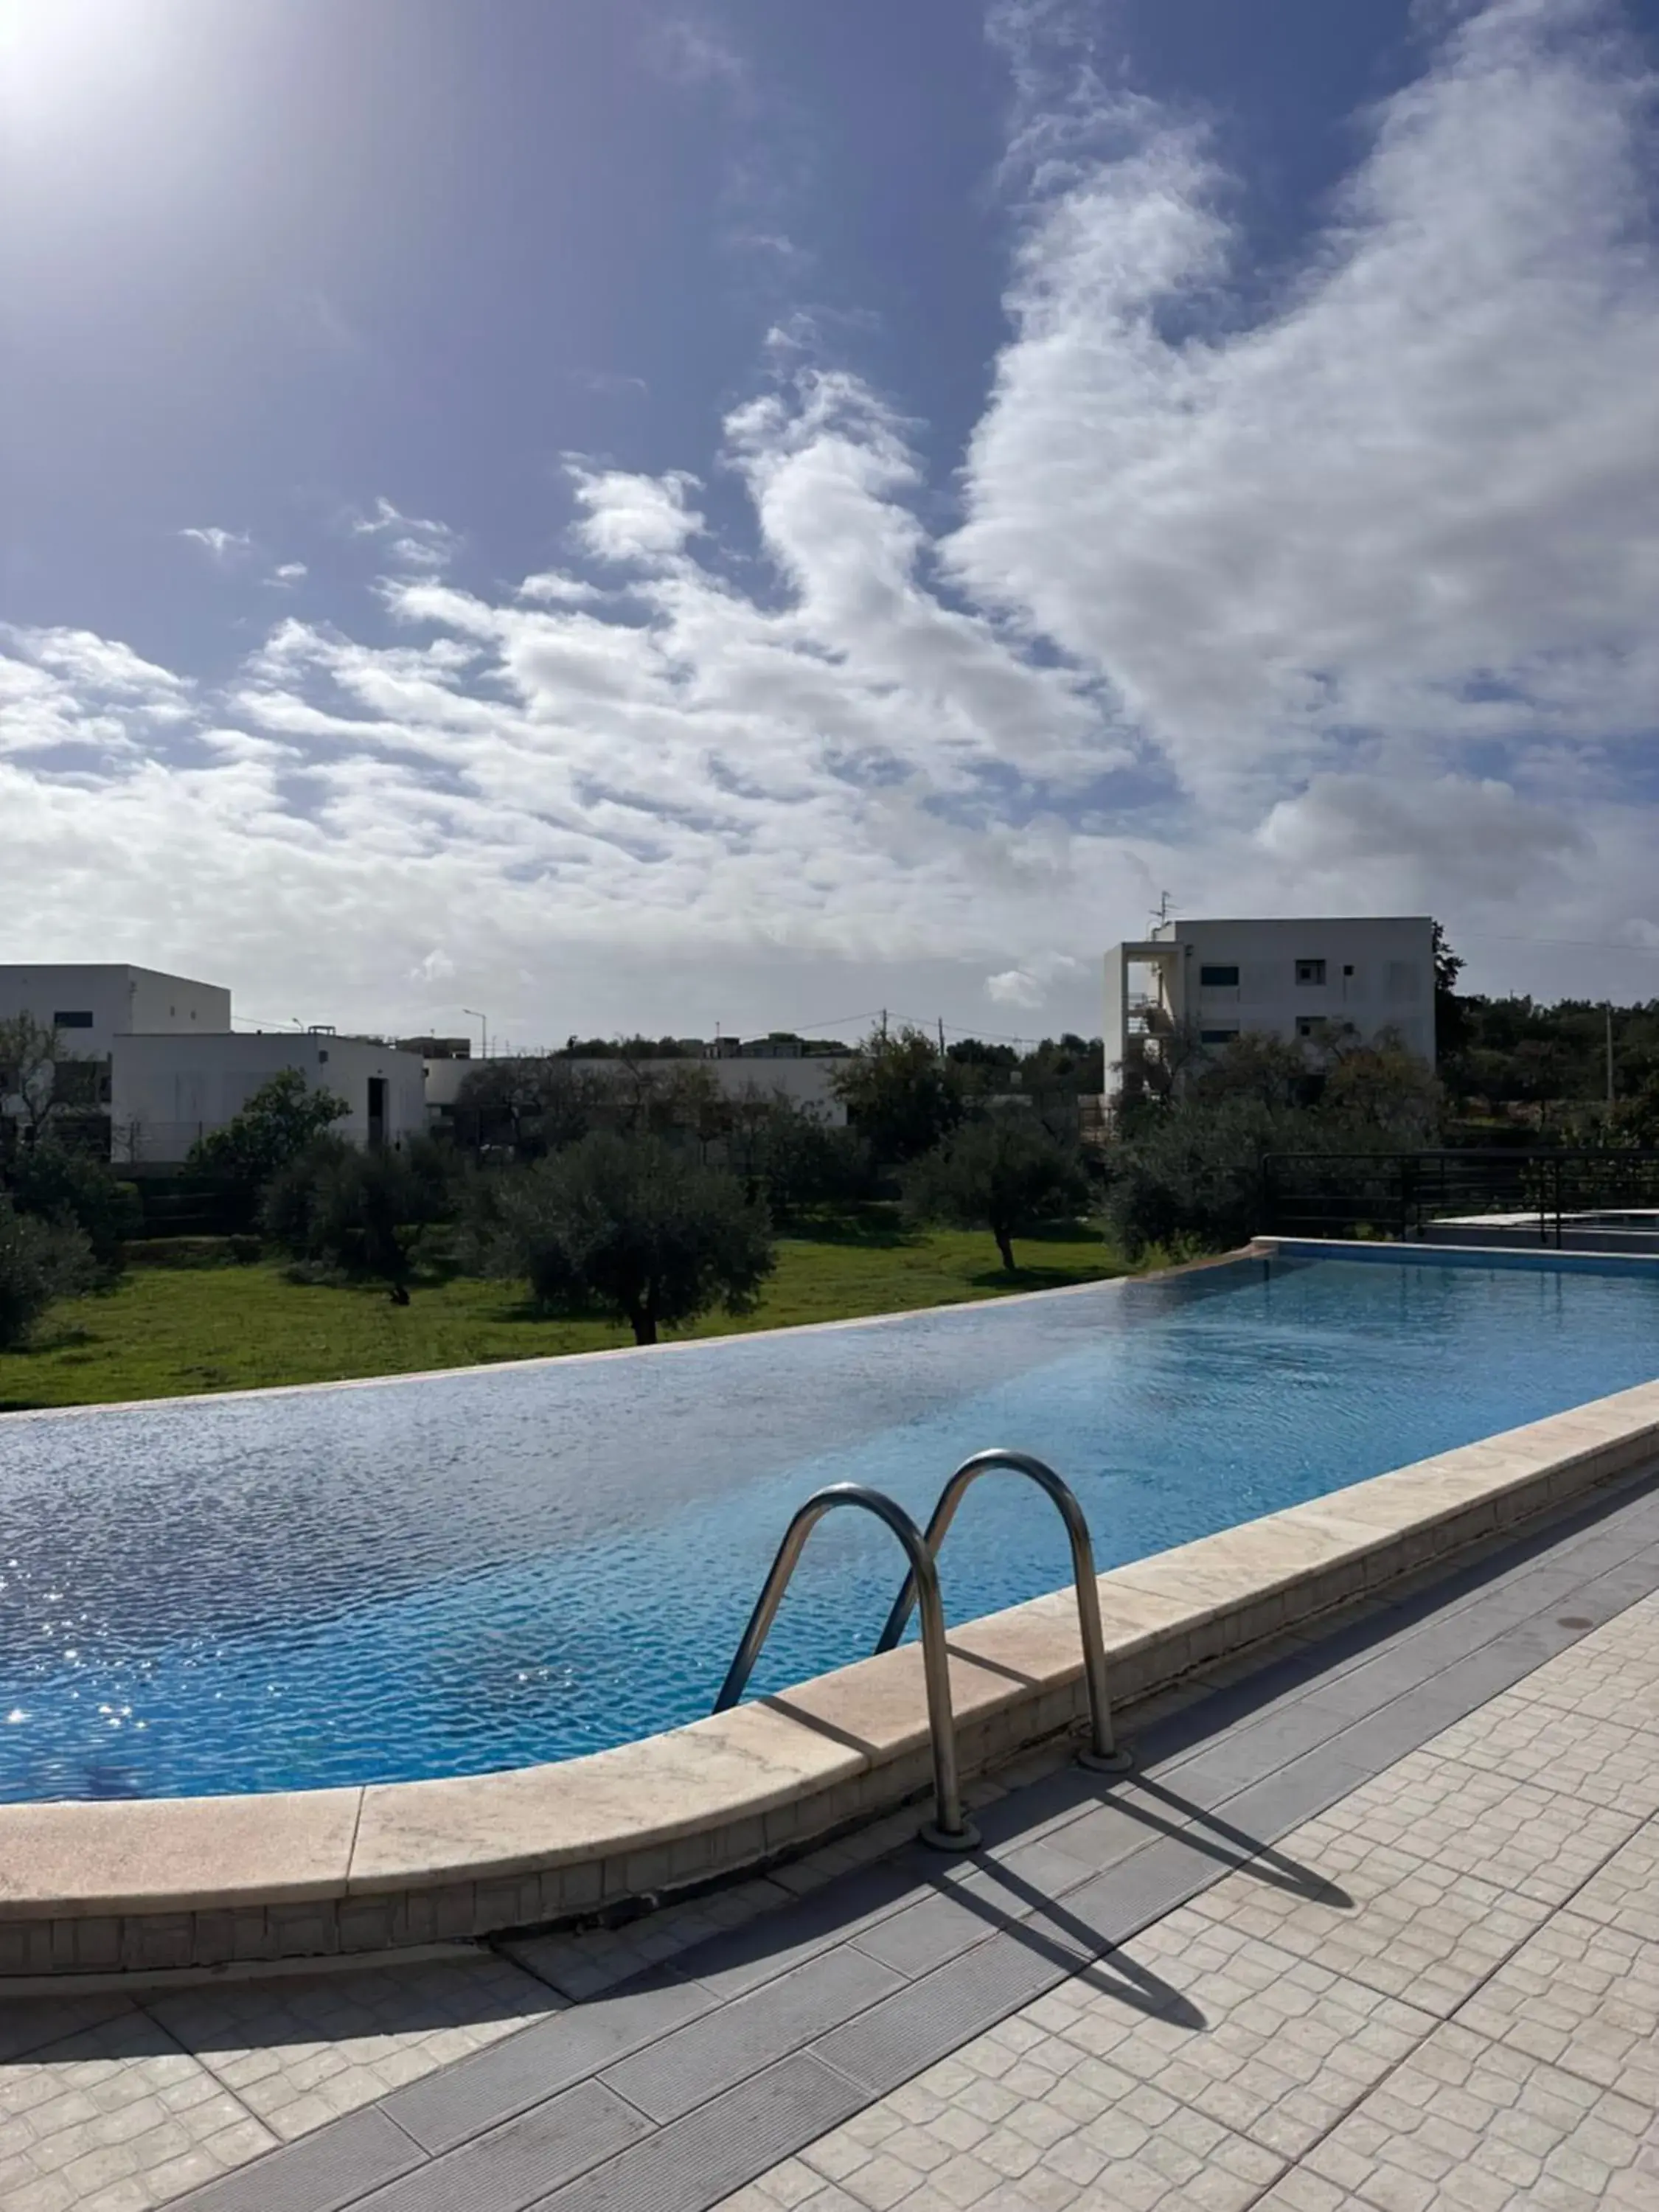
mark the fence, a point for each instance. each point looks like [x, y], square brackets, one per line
[1404, 1194]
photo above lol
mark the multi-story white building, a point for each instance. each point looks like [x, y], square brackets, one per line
[1191, 987]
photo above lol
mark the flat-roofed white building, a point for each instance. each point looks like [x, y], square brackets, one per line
[1191, 987]
[94, 1002]
[167, 1091]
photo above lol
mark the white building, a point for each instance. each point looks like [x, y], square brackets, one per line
[167, 1091]
[96, 1003]
[91, 1004]
[1195, 985]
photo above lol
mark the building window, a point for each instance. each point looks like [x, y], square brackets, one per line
[71, 1021]
[1218, 979]
[1216, 1036]
[1309, 971]
[1310, 1026]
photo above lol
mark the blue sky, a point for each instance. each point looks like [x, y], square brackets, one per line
[632, 515]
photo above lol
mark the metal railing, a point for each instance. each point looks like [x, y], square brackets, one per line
[1398, 1194]
[948, 1830]
[1103, 1754]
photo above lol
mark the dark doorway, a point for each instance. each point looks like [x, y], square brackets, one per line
[377, 1109]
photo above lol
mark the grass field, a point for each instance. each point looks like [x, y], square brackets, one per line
[166, 1332]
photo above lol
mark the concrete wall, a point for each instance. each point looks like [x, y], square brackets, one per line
[166, 1092]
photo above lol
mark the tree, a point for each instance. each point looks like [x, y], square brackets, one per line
[49, 1182]
[39, 1261]
[363, 1212]
[1450, 1012]
[901, 1093]
[1384, 1085]
[531, 1105]
[38, 1073]
[1004, 1173]
[282, 1117]
[629, 1228]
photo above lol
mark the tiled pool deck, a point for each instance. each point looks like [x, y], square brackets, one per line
[1376, 1924]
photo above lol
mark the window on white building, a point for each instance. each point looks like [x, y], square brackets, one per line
[1309, 971]
[1218, 979]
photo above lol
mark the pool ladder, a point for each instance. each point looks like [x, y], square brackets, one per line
[949, 1829]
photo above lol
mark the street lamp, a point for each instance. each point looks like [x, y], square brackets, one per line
[483, 1031]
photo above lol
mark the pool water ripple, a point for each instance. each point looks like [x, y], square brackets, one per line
[454, 1574]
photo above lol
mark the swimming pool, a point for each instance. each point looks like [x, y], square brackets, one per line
[456, 1573]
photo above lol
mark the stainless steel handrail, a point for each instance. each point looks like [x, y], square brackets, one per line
[948, 1830]
[1103, 1754]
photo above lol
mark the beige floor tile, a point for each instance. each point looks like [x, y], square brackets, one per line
[1464, 2122]
[1583, 1998]
[1604, 1762]
[1624, 1893]
[117, 2115]
[300, 2053]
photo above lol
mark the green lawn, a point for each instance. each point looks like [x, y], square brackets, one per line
[164, 1332]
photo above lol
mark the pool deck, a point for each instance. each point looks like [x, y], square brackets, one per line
[1375, 1923]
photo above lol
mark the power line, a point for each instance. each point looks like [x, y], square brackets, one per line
[1578, 944]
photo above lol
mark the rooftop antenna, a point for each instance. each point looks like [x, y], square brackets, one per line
[1163, 913]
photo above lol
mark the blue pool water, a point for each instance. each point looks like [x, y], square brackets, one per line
[444, 1576]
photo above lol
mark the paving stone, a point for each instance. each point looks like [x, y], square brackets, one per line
[300, 2053]
[1464, 2121]
[1582, 1996]
[1625, 1893]
[117, 2109]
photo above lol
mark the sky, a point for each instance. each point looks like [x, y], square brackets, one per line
[617, 515]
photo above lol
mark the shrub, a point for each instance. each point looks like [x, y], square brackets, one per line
[52, 1183]
[39, 1261]
[1004, 1173]
[628, 1228]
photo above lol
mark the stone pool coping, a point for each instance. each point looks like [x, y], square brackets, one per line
[154, 1885]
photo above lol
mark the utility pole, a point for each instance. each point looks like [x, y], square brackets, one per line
[483, 1031]
[941, 1037]
[884, 1024]
[1610, 1015]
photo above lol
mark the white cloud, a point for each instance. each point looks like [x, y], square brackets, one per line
[433, 967]
[287, 575]
[1345, 606]
[407, 540]
[223, 544]
[629, 517]
[1418, 493]
[1031, 984]
[692, 48]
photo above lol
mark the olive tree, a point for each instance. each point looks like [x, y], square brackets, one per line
[361, 1212]
[1004, 1173]
[629, 1228]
